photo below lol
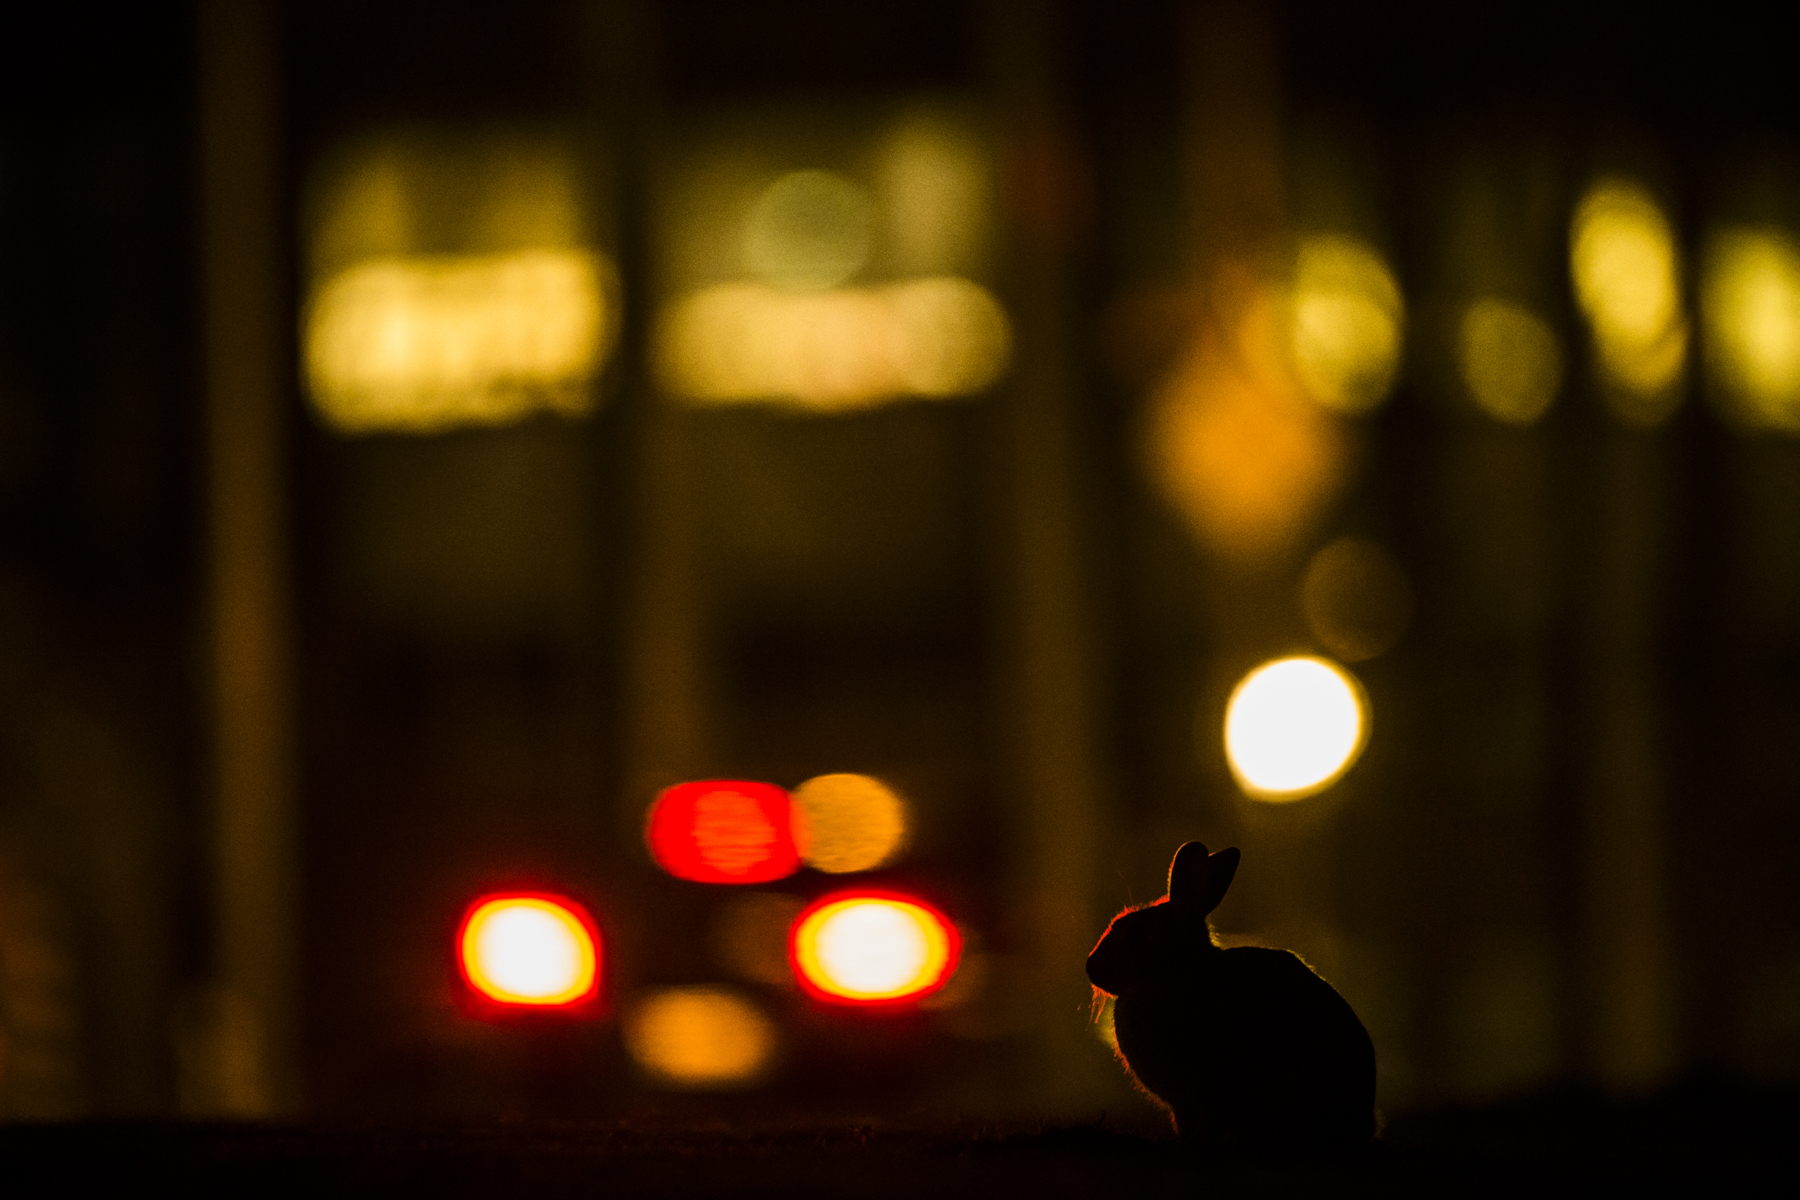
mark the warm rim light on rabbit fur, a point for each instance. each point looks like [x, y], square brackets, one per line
[1247, 1047]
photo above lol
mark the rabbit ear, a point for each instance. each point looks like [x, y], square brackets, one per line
[1197, 880]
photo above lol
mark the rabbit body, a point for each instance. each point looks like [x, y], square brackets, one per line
[1247, 1047]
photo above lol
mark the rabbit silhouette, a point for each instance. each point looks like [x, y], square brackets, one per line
[1247, 1047]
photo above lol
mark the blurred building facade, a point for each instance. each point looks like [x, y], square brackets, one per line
[430, 431]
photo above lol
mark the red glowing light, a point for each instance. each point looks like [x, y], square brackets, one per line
[529, 949]
[872, 948]
[723, 831]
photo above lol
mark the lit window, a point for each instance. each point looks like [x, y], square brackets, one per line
[836, 350]
[529, 950]
[832, 291]
[452, 285]
[428, 343]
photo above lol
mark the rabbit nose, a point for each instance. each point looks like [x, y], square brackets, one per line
[1104, 973]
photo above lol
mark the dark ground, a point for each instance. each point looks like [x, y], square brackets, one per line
[1702, 1141]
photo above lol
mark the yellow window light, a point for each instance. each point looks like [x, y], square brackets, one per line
[1293, 727]
[834, 350]
[873, 948]
[452, 283]
[1345, 323]
[700, 1038]
[530, 950]
[1751, 306]
[1510, 360]
[425, 343]
[846, 823]
[1626, 271]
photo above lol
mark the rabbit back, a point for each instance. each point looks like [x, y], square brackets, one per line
[1249, 1047]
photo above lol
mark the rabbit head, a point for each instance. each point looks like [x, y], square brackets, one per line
[1144, 944]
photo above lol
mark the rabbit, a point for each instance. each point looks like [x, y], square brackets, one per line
[1248, 1048]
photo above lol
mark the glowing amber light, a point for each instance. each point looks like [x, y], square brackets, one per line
[1236, 446]
[1293, 727]
[845, 823]
[700, 1038]
[525, 949]
[873, 948]
[723, 831]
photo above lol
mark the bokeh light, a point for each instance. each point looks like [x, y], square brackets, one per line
[846, 823]
[1626, 271]
[723, 831]
[700, 1038]
[836, 350]
[1293, 727]
[452, 284]
[809, 230]
[1751, 309]
[873, 948]
[427, 343]
[1356, 598]
[1246, 461]
[529, 950]
[1346, 322]
[934, 190]
[1510, 360]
